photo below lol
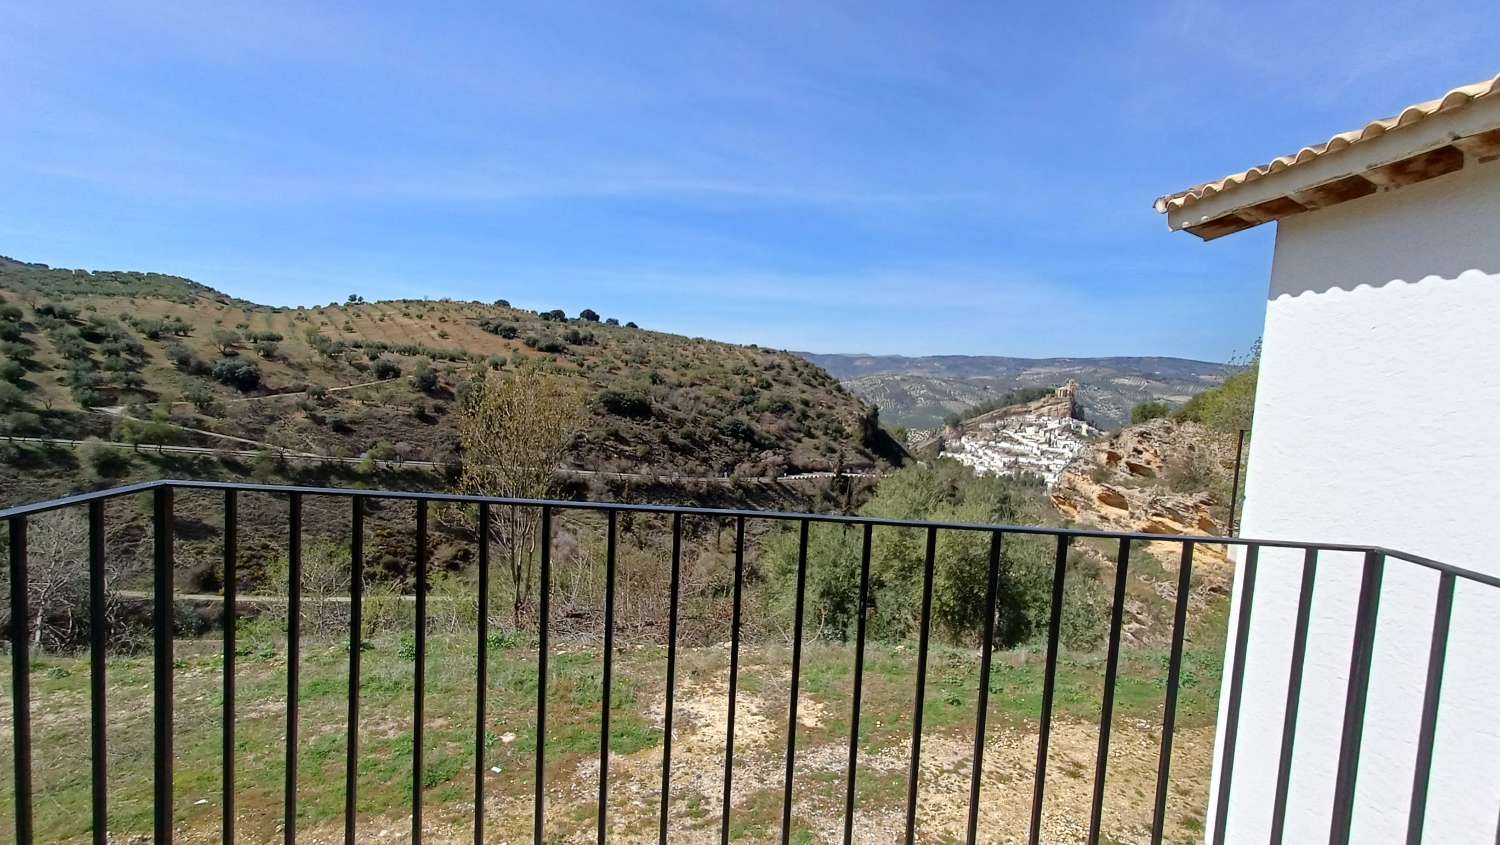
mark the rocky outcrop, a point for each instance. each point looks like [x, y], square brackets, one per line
[1161, 477]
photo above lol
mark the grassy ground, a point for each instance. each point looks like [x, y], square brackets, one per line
[60, 736]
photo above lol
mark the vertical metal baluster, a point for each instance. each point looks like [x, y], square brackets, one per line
[1293, 695]
[20, 676]
[734, 671]
[231, 584]
[666, 754]
[791, 720]
[859, 680]
[1049, 687]
[924, 631]
[986, 654]
[97, 707]
[1169, 714]
[293, 659]
[1441, 617]
[1236, 691]
[1111, 675]
[356, 647]
[544, 611]
[1234, 486]
[482, 670]
[1361, 654]
[419, 691]
[162, 668]
[609, 665]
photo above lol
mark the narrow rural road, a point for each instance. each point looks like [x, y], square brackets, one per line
[309, 457]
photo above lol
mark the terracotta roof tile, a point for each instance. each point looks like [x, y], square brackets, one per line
[1455, 99]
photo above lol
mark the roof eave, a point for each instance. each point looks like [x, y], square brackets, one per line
[1439, 144]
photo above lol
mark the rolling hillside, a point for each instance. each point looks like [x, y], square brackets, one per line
[918, 392]
[382, 379]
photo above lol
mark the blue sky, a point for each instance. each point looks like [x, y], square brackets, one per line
[914, 178]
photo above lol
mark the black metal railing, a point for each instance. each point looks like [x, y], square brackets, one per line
[1374, 561]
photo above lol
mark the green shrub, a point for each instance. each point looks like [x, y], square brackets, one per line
[423, 376]
[625, 402]
[104, 460]
[738, 428]
[546, 344]
[237, 373]
[11, 397]
[57, 310]
[12, 371]
[22, 423]
[1146, 411]
[1228, 407]
[945, 491]
[500, 328]
[87, 396]
[385, 368]
[225, 339]
[201, 397]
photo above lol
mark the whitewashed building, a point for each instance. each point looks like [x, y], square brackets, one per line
[1375, 423]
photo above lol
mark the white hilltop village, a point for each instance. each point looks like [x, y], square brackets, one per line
[1038, 438]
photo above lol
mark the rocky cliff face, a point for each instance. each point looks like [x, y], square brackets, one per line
[1161, 477]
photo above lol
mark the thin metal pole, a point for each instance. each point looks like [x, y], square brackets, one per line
[293, 659]
[1441, 618]
[162, 670]
[915, 770]
[1174, 675]
[419, 691]
[609, 665]
[1361, 655]
[231, 585]
[1107, 706]
[1049, 688]
[356, 647]
[544, 612]
[859, 681]
[986, 653]
[791, 720]
[1236, 692]
[1234, 489]
[1293, 695]
[97, 661]
[20, 676]
[481, 670]
[734, 671]
[666, 757]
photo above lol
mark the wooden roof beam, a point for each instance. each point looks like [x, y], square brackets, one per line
[1417, 168]
[1482, 147]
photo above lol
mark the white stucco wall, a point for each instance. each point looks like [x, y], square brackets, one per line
[1376, 422]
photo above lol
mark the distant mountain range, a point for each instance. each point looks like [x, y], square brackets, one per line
[918, 392]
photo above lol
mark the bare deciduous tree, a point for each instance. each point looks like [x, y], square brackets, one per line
[515, 430]
[57, 583]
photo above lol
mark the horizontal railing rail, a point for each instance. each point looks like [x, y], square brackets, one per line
[163, 591]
